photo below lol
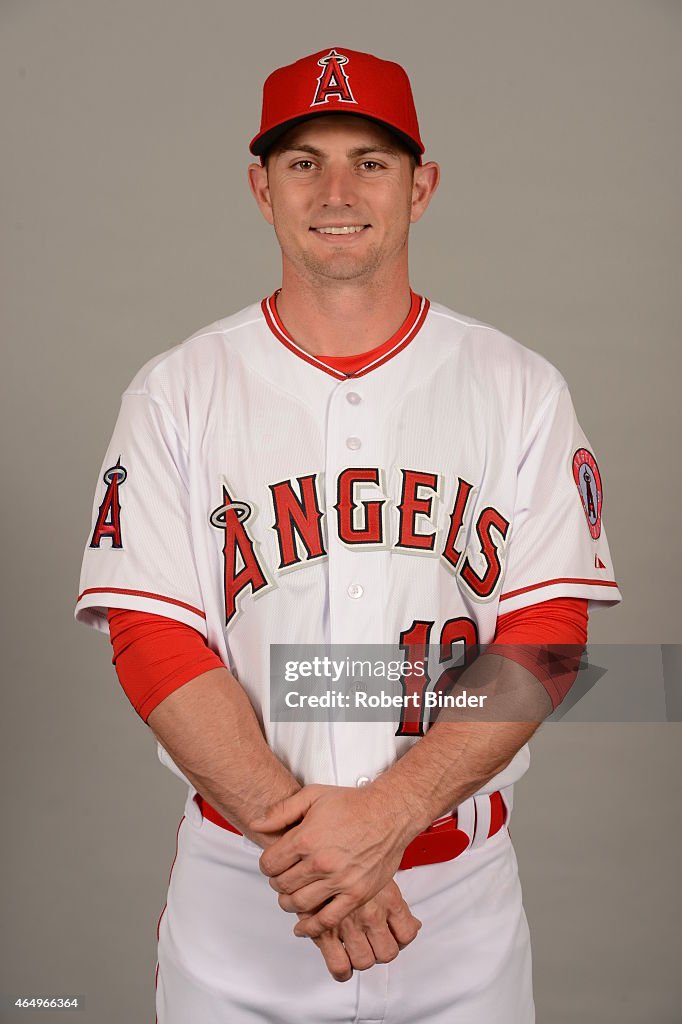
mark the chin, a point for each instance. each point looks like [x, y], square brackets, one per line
[342, 266]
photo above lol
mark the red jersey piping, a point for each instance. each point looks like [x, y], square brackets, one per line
[142, 593]
[403, 336]
[551, 583]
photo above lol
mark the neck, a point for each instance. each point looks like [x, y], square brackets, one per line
[342, 318]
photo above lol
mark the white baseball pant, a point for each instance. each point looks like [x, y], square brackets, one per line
[227, 954]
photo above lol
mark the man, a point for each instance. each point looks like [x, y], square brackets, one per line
[345, 463]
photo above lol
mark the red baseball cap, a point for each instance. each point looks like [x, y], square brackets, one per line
[338, 81]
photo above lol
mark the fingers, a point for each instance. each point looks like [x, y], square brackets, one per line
[305, 900]
[358, 946]
[281, 856]
[367, 945]
[331, 915]
[350, 948]
[388, 923]
[373, 933]
[284, 812]
[402, 922]
[335, 956]
[315, 868]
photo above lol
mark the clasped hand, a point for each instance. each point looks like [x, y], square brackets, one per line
[334, 867]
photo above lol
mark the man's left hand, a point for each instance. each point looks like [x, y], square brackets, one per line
[346, 848]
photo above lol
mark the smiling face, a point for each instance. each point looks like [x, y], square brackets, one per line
[341, 193]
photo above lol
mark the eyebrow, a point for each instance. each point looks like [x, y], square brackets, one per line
[357, 151]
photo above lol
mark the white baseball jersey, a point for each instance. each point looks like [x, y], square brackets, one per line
[260, 496]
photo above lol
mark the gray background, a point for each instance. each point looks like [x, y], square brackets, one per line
[127, 225]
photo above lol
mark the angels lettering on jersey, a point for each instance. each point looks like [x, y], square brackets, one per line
[300, 529]
[300, 526]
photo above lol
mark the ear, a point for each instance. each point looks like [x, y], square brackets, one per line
[258, 183]
[424, 184]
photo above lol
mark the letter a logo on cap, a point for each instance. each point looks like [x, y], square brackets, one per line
[333, 80]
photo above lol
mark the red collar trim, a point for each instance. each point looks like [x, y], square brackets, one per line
[374, 358]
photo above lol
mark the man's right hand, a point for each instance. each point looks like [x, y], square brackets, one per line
[372, 934]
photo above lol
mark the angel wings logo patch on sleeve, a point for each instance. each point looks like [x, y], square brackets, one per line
[588, 481]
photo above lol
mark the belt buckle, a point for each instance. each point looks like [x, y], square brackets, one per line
[440, 842]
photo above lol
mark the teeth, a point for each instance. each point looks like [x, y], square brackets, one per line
[348, 230]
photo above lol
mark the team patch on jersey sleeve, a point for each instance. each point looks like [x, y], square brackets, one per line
[588, 481]
[108, 525]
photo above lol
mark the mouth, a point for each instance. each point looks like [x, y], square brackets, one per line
[336, 230]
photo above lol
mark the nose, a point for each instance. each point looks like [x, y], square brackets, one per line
[337, 186]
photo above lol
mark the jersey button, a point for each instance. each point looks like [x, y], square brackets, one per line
[355, 591]
[353, 443]
[353, 398]
[364, 780]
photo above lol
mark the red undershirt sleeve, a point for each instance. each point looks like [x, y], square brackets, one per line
[154, 656]
[546, 638]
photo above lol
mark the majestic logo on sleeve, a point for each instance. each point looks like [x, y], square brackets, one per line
[588, 481]
[333, 80]
[108, 523]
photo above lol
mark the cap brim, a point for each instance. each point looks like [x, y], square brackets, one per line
[262, 143]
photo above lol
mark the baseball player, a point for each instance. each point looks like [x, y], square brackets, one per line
[344, 463]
